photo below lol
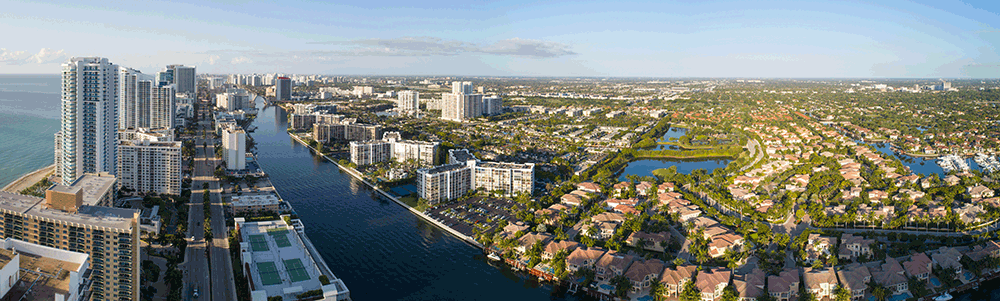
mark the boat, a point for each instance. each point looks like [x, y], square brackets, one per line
[493, 256]
[943, 297]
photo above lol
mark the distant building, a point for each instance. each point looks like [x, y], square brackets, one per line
[369, 152]
[408, 100]
[283, 89]
[492, 105]
[509, 178]
[233, 100]
[461, 104]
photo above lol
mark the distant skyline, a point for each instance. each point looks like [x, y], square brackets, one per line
[783, 39]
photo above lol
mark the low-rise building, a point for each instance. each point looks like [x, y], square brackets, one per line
[649, 241]
[245, 204]
[712, 283]
[854, 278]
[584, 258]
[35, 272]
[612, 264]
[643, 273]
[821, 282]
[674, 279]
[785, 285]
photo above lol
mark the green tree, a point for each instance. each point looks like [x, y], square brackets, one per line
[690, 292]
[657, 290]
[730, 294]
[842, 294]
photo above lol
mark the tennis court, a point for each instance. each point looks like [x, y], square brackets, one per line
[258, 243]
[296, 270]
[280, 237]
[268, 273]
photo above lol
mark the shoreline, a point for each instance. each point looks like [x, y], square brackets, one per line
[357, 175]
[20, 181]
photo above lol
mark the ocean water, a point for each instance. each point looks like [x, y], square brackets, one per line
[29, 116]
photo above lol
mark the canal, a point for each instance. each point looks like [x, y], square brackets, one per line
[379, 249]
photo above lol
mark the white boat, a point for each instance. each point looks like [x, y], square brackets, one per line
[493, 256]
[943, 297]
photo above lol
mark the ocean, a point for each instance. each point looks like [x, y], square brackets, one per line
[29, 116]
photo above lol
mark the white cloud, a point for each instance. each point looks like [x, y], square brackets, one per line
[212, 59]
[425, 46]
[12, 57]
[241, 60]
[47, 55]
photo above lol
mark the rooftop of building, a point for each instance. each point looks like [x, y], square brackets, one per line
[116, 218]
[442, 168]
[49, 269]
[505, 165]
[254, 200]
[279, 261]
[461, 155]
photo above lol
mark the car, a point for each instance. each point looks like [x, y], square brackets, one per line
[195, 293]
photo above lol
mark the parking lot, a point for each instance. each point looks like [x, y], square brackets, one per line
[464, 215]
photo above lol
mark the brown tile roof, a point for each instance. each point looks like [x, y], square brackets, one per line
[674, 275]
[615, 261]
[554, 246]
[854, 276]
[583, 254]
[812, 278]
[640, 269]
[707, 281]
[918, 264]
[530, 239]
[786, 281]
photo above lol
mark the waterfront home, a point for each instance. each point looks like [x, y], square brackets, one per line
[856, 246]
[911, 194]
[918, 266]
[590, 187]
[644, 273]
[511, 230]
[890, 275]
[620, 188]
[583, 257]
[854, 278]
[785, 285]
[979, 192]
[665, 187]
[952, 180]
[675, 278]
[526, 241]
[554, 247]
[649, 241]
[643, 188]
[712, 283]
[750, 286]
[612, 264]
[948, 257]
[819, 282]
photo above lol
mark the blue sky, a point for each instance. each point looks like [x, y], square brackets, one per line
[511, 38]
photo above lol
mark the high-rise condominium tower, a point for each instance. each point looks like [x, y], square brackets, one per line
[89, 118]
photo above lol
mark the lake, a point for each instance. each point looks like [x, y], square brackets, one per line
[645, 167]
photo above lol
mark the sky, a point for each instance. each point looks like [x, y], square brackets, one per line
[783, 39]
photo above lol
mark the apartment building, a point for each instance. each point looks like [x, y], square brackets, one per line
[369, 152]
[75, 218]
[234, 143]
[89, 120]
[510, 178]
[408, 100]
[444, 183]
[150, 166]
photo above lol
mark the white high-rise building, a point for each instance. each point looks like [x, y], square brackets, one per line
[408, 100]
[444, 182]
[150, 166]
[234, 143]
[162, 107]
[461, 107]
[369, 152]
[89, 117]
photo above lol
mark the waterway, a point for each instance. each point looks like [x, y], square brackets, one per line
[379, 249]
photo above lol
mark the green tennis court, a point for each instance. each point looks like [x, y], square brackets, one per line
[268, 273]
[280, 237]
[296, 270]
[258, 243]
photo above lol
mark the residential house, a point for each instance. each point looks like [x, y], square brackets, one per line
[666, 187]
[620, 188]
[649, 241]
[643, 188]
[721, 243]
[612, 264]
[821, 282]
[644, 273]
[785, 285]
[818, 246]
[890, 275]
[856, 246]
[918, 266]
[526, 241]
[583, 257]
[750, 286]
[712, 283]
[947, 257]
[980, 191]
[675, 278]
[590, 187]
[554, 247]
[854, 278]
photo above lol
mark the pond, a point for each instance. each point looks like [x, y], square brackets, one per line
[917, 165]
[645, 167]
[673, 134]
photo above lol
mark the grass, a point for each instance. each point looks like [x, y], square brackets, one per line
[409, 201]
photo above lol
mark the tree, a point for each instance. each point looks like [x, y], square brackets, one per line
[730, 294]
[842, 294]
[622, 285]
[657, 290]
[690, 292]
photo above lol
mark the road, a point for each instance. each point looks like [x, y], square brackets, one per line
[212, 276]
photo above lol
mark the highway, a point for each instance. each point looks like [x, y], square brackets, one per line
[212, 276]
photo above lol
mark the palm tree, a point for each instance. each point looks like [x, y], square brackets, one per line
[657, 290]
